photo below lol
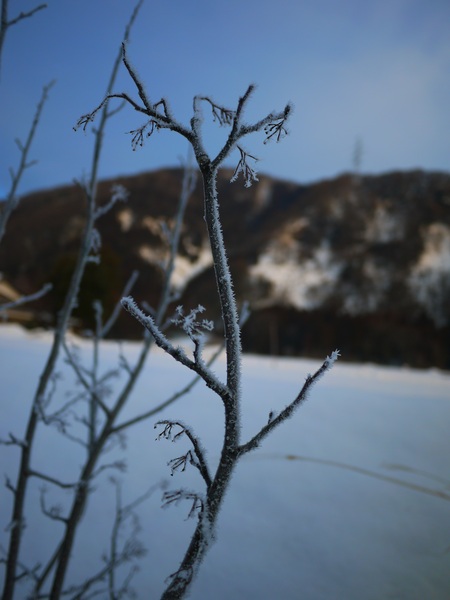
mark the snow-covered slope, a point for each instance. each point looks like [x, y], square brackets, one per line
[349, 500]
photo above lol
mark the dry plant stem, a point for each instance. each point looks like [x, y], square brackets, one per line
[98, 442]
[187, 188]
[11, 200]
[169, 401]
[122, 513]
[6, 23]
[26, 449]
[17, 520]
[25, 299]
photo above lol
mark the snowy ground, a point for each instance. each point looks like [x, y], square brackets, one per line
[349, 500]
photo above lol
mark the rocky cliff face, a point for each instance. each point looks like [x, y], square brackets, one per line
[362, 264]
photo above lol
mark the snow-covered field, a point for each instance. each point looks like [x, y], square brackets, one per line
[349, 500]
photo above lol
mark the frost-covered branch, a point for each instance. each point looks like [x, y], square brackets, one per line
[175, 351]
[197, 461]
[274, 127]
[101, 424]
[230, 392]
[118, 193]
[158, 119]
[145, 131]
[160, 115]
[248, 172]
[286, 413]
[89, 118]
[224, 116]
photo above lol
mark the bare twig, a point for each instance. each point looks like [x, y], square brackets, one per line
[25, 299]
[101, 433]
[11, 199]
[54, 512]
[160, 407]
[175, 496]
[53, 480]
[90, 191]
[6, 23]
[131, 548]
[199, 461]
[224, 116]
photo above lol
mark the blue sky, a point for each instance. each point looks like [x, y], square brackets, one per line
[377, 71]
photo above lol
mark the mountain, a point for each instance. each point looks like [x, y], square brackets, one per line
[361, 263]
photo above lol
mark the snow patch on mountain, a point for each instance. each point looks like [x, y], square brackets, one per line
[430, 276]
[151, 255]
[185, 269]
[126, 219]
[303, 284]
[370, 294]
[154, 226]
[384, 226]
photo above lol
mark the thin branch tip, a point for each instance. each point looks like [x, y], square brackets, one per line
[128, 303]
[333, 357]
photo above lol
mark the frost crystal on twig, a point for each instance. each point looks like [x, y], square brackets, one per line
[248, 172]
[330, 360]
[189, 323]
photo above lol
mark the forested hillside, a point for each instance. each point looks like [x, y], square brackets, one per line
[359, 263]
